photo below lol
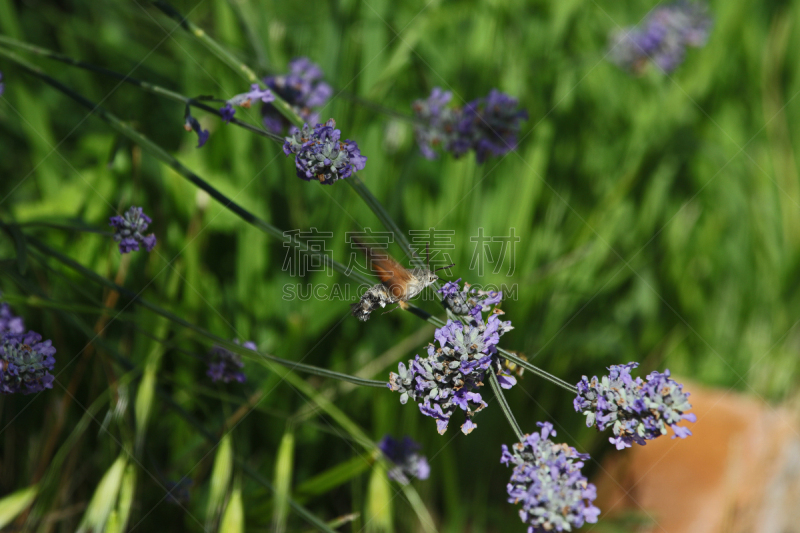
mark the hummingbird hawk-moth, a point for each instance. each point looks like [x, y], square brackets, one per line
[398, 284]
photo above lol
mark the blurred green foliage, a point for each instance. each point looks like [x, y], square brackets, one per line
[659, 219]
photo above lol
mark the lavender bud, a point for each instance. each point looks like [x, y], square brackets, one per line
[129, 231]
[10, 323]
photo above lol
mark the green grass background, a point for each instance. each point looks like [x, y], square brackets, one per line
[659, 218]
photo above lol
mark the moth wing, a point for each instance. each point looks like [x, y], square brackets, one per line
[391, 273]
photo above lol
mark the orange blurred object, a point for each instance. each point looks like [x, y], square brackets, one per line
[739, 472]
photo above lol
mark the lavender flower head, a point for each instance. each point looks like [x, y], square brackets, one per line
[634, 409]
[129, 231]
[302, 88]
[2, 85]
[10, 323]
[321, 155]
[436, 126]
[548, 482]
[490, 125]
[407, 462]
[451, 375]
[662, 38]
[25, 363]
[225, 365]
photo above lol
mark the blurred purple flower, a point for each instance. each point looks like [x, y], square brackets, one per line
[548, 483]
[407, 462]
[10, 323]
[488, 125]
[129, 231]
[321, 155]
[25, 363]
[634, 409]
[225, 365]
[302, 89]
[227, 112]
[191, 123]
[2, 85]
[255, 93]
[662, 38]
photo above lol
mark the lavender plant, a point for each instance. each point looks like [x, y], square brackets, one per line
[546, 480]
[662, 38]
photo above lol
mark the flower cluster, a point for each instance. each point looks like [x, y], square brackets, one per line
[302, 89]
[548, 482]
[10, 323]
[225, 365]
[129, 230]
[407, 462]
[321, 155]
[450, 376]
[245, 100]
[662, 38]
[488, 125]
[25, 363]
[634, 409]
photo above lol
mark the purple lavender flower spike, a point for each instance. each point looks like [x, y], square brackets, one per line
[192, 123]
[548, 483]
[302, 88]
[129, 230]
[225, 366]
[450, 377]
[25, 363]
[227, 112]
[662, 38]
[436, 126]
[321, 155]
[490, 125]
[10, 323]
[2, 85]
[636, 410]
[407, 462]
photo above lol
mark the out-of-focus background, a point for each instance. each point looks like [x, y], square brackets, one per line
[658, 217]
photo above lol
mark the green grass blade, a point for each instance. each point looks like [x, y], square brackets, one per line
[284, 466]
[16, 502]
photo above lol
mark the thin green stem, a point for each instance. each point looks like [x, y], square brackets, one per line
[501, 400]
[146, 86]
[227, 57]
[250, 354]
